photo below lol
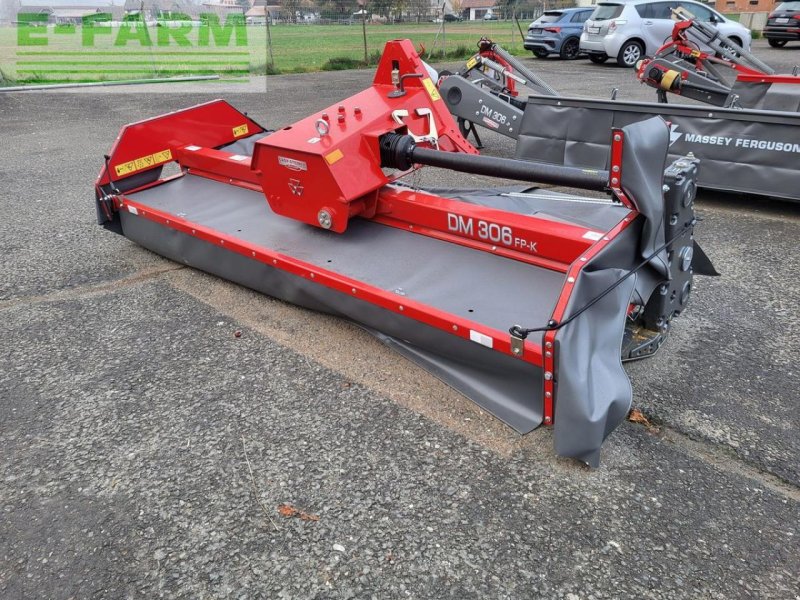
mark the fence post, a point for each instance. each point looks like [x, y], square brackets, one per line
[521, 35]
[267, 17]
[364, 30]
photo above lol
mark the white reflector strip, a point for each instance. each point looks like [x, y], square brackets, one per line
[592, 235]
[238, 157]
[192, 148]
[132, 210]
[479, 338]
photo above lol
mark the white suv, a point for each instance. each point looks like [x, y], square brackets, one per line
[629, 30]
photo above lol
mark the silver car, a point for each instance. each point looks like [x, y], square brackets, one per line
[629, 30]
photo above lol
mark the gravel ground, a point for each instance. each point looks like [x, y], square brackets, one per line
[146, 449]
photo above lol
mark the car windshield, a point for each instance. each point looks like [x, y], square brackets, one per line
[549, 17]
[789, 6]
[606, 11]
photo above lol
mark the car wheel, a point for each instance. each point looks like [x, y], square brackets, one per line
[630, 53]
[777, 43]
[598, 59]
[736, 41]
[570, 49]
[539, 53]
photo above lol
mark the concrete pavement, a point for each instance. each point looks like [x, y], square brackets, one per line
[128, 406]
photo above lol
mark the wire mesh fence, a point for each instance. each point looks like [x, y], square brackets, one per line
[235, 43]
[315, 46]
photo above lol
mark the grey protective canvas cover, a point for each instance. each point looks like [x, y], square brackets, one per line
[767, 96]
[750, 151]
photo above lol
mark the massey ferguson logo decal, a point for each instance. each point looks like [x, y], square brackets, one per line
[674, 135]
[731, 142]
[293, 164]
[296, 187]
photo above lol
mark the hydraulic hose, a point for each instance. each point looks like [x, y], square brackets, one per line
[400, 152]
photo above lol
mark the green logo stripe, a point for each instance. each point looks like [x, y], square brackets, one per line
[92, 53]
[53, 63]
[102, 72]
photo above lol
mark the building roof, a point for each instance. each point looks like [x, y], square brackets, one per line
[466, 4]
[164, 5]
[68, 4]
[219, 7]
[261, 11]
[75, 13]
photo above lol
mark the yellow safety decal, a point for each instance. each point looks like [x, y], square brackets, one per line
[695, 53]
[240, 130]
[431, 87]
[472, 62]
[145, 162]
[334, 156]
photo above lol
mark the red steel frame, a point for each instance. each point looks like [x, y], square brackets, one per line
[559, 246]
[757, 77]
[682, 45]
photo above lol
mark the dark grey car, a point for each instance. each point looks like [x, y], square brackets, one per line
[557, 32]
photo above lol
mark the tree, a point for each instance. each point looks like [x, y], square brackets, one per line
[381, 7]
[420, 9]
[399, 9]
[340, 7]
[292, 7]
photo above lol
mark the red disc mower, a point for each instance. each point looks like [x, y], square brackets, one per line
[523, 298]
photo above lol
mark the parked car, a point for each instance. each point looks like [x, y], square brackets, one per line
[783, 24]
[490, 15]
[450, 17]
[627, 31]
[557, 32]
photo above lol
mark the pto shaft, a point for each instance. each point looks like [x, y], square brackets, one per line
[400, 152]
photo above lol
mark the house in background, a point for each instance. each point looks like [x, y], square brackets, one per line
[740, 6]
[259, 9]
[59, 13]
[159, 9]
[223, 8]
[475, 10]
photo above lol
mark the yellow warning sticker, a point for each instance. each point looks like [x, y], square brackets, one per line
[431, 87]
[334, 156]
[472, 62]
[145, 162]
[240, 130]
